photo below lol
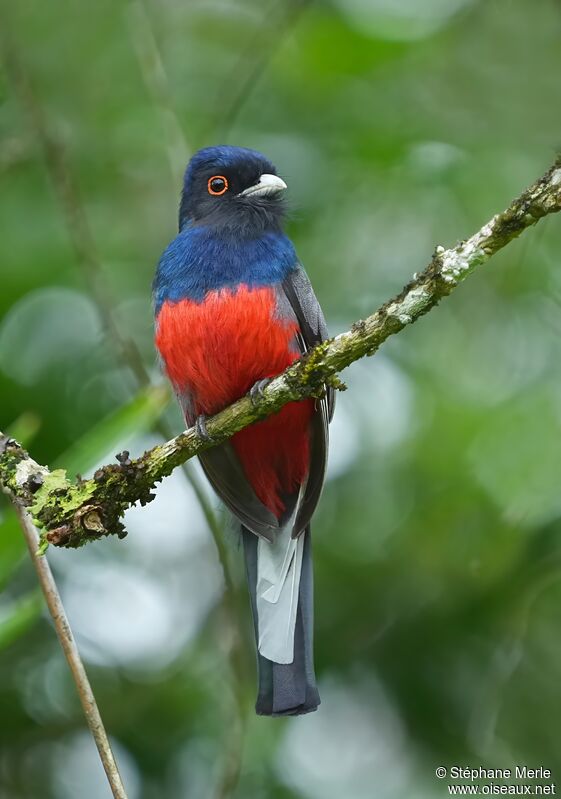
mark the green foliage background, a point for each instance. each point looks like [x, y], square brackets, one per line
[397, 126]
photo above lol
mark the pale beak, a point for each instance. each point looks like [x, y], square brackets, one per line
[267, 184]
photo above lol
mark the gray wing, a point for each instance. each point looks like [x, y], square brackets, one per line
[225, 474]
[300, 295]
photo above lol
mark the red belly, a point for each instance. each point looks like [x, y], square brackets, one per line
[216, 350]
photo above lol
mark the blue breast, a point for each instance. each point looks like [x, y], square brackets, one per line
[200, 260]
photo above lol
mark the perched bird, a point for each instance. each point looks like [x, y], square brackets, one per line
[234, 308]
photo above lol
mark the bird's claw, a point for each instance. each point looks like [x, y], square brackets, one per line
[256, 391]
[200, 427]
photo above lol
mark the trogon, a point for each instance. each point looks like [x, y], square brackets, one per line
[233, 308]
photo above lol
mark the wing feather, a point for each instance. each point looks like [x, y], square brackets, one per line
[300, 295]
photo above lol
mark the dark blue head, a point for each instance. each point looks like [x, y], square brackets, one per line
[234, 189]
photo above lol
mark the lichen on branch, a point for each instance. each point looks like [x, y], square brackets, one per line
[70, 514]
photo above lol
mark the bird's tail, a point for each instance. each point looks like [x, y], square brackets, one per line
[280, 582]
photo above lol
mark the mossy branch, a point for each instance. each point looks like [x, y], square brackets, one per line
[71, 513]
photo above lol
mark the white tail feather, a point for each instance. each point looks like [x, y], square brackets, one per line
[279, 565]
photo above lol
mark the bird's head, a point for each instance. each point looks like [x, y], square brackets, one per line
[233, 189]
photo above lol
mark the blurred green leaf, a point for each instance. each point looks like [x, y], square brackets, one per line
[25, 428]
[12, 545]
[115, 430]
[19, 616]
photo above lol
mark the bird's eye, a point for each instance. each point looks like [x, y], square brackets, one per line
[217, 185]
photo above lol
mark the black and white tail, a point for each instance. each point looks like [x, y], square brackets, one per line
[280, 579]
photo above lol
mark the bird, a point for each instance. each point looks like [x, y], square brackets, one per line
[233, 308]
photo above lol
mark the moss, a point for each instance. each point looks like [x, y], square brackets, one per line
[11, 454]
[47, 495]
[335, 382]
[313, 370]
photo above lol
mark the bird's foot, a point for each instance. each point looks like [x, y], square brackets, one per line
[200, 427]
[256, 391]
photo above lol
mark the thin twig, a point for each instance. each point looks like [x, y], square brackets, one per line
[259, 53]
[68, 195]
[71, 653]
[157, 84]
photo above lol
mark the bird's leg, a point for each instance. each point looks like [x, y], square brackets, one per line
[200, 427]
[256, 391]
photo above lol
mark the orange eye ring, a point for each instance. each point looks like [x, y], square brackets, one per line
[220, 185]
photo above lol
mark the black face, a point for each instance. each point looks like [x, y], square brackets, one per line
[223, 189]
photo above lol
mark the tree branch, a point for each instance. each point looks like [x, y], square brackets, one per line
[70, 514]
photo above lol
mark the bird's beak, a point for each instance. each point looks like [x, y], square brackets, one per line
[267, 184]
